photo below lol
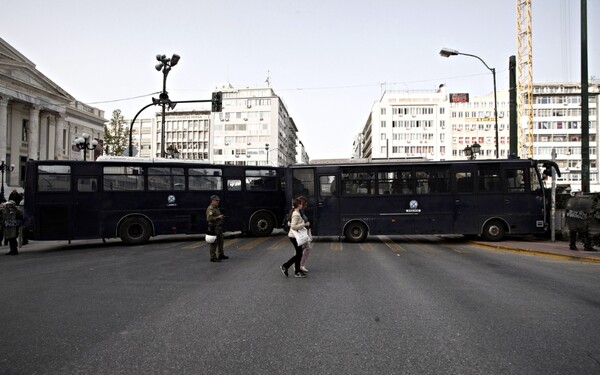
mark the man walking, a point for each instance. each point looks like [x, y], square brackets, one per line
[215, 222]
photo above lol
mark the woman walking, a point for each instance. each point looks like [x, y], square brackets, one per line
[308, 245]
[296, 224]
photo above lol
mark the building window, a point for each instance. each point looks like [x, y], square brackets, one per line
[24, 130]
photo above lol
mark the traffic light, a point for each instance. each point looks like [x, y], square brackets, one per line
[217, 101]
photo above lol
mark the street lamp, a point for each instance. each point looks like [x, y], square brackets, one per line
[271, 150]
[165, 64]
[173, 152]
[472, 151]
[267, 151]
[4, 168]
[83, 143]
[447, 52]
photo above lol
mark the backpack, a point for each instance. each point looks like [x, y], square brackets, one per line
[285, 224]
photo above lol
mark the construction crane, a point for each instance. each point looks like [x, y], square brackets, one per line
[524, 78]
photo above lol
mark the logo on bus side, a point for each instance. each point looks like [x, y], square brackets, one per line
[414, 207]
[171, 201]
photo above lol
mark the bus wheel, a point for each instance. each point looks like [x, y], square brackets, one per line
[493, 231]
[261, 224]
[135, 231]
[355, 232]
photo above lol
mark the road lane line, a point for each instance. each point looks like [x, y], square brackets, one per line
[391, 244]
[196, 245]
[336, 246]
[280, 243]
[366, 247]
[250, 245]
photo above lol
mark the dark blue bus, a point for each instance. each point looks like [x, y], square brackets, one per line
[136, 198]
[487, 198]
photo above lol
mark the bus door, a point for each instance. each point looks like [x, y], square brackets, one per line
[86, 205]
[465, 200]
[302, 183]
[327, 210]
[522, 210]
[231, 202]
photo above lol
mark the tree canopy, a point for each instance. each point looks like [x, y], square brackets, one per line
[116, 135]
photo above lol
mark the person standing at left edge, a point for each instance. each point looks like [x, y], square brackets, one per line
[215, 222]
[11, 220]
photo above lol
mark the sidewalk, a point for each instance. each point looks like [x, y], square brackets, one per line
[538, 246]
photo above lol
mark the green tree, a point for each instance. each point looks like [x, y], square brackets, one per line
[116, 135]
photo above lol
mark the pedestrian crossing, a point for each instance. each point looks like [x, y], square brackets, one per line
[397, 244]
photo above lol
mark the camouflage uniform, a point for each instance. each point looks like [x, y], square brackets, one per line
[215, 221]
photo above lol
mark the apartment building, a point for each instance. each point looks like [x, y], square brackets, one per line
[407, 125]
[254, 128]
[557, 126]
[439, 125]
[186, 135]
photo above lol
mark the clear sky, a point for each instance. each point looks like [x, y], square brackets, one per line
[329, 60]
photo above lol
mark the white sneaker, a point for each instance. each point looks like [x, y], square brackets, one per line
[303, 269]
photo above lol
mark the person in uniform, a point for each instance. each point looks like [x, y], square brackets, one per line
[215, 222]
[577, 213]
[11, 220]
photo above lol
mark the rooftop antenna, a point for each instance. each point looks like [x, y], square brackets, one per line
[268, 80]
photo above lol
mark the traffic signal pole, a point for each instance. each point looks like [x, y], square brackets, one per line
[217, 106]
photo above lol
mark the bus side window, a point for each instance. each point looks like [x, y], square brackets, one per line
[489, 179]
[515, 181]
[327, 186]
[234, 185]
[464, 182]
[87, 185]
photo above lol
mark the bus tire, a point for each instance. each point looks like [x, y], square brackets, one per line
[261, 224]
[135, 230]
[493, 231]
[355, 232]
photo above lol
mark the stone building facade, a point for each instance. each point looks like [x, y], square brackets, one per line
[38, 119]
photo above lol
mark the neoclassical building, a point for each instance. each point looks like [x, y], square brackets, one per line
[38, 119]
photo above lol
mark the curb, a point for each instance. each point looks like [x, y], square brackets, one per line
[554, 254]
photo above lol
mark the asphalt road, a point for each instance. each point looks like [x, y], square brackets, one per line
[405, 305]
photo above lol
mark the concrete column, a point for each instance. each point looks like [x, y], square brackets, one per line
[3, 127]
[59, 152]
[33, 135]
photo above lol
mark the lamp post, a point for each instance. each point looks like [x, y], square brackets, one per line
[165, 64]
[472, 151]
[447, 52]
[271, 150]
[83, 143]
[173, 152]
[4, 168]
[267, 151]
